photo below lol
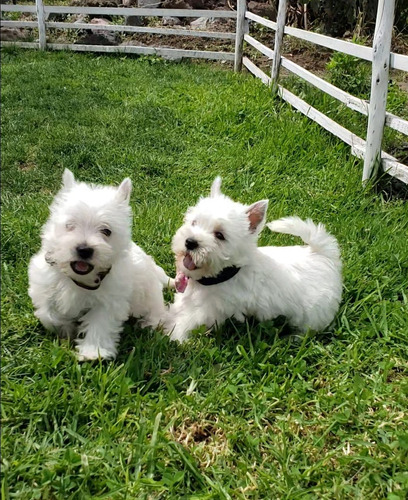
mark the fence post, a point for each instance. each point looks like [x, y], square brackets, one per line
[379, 87]
[41, 24]
[280, 28]
[239, 35]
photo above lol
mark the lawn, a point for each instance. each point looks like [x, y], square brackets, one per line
[242, 413]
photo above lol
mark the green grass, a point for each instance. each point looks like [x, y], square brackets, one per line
[240, 413]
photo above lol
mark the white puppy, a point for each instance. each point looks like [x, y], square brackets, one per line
[223, 273]
[89, 276]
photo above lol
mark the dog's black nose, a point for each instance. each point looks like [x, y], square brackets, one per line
[191, 243]
[84, 251]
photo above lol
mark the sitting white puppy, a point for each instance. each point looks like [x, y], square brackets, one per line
[89, 276]
[223, 274]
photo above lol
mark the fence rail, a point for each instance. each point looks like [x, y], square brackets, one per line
[381, 58]
[42, 11]
[122, 11]
[397, 61]
[379, 55]
[122, 29]
[358, 145]
[349, 100]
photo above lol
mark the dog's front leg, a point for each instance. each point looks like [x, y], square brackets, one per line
[100, 329]
[181, 324]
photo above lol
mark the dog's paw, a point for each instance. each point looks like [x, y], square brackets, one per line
[180, 336]
[92, 352]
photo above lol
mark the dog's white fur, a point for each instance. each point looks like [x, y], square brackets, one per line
[303, 283]
[80, 215]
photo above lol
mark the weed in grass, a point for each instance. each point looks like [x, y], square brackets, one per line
[242, 413]
[350, 74]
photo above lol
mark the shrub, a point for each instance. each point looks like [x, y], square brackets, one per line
[350, 74]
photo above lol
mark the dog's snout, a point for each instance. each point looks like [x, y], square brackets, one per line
[191, 243]
[84, 251]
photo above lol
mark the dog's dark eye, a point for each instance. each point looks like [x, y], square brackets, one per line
[69, 226]
[219, 235]
[194, 223]
[106, 231]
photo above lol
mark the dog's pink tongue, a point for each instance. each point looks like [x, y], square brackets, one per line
[181, 282]
[81, 266]
[189, 263]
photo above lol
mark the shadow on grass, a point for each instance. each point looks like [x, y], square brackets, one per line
[155, 363]
[391, 188]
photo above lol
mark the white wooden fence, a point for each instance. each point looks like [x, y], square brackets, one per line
[43, 11]
[380, 56]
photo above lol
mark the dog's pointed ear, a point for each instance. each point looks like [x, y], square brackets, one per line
[68, 179]
[124, 190]
[216, 187]
[256, 215]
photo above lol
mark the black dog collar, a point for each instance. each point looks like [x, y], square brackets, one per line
[226, 274]
[87, 287]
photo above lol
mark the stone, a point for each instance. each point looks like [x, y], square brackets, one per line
[149, 4]
[134, 21]
[112, 37]
[56, 17]
[176, 4]
[100, 21]
[80, 18]
[98, 38]
[11, 34]
[201, 23]
[95, 3]
[171, 21]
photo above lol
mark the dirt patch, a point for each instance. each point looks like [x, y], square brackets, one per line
[315, 61]
[392, 188]
[26, 166]
[205, 439]
[180, 42]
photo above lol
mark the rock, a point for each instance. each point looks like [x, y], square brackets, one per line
[176, 4]
[171, 21]
[12, 34]
[98, 38]
[149, 4]
[56, 17]
[201, 23]
[263, 10]
[100, 21]
[80, 18]
[110, 37]
[186, 4]
[95, 3]
[134, 21]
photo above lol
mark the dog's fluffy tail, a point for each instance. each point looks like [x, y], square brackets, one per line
[315, 235]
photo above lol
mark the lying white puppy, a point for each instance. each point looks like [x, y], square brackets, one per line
[223, 273]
